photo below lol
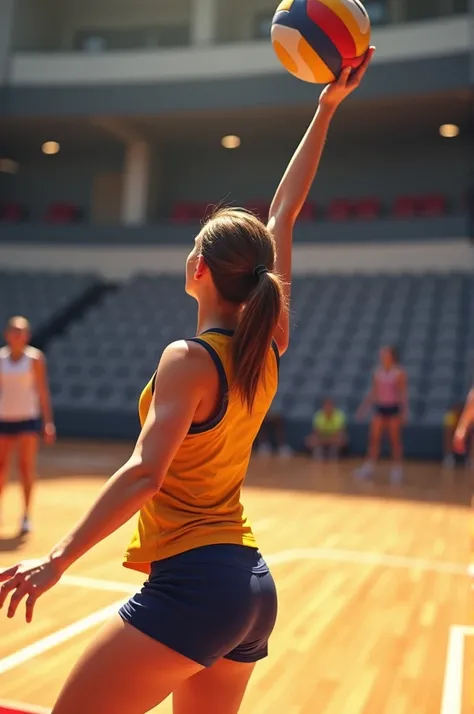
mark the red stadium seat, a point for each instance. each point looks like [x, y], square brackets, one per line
[340, 209]
[368, 209]
[260, 208]
[309, 212]
[62, 213]
[11, 212]
[432, 205]
[189, 212]
[405, 207]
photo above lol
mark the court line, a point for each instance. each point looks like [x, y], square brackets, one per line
[366, 558]
[23, 707]
[451, 702]
[353, 557]
[57, 638]
[285, 556]
[81, 581]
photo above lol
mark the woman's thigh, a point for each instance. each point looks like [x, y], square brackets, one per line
[7, 445]
[123, 672]
[28, 444]
[217, 690]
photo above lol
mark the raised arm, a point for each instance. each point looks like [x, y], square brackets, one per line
[465, 422]
[44, 398]
[294, 187]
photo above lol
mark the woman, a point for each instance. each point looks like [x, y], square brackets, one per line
[25, 408]
[463, 427]
[389, 397]
[209, 598]
[450, 422]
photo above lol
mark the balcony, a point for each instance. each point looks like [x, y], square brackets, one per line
[395, 42]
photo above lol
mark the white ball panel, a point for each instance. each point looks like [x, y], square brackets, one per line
[289, 39]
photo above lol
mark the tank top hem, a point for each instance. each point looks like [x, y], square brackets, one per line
[134, 561]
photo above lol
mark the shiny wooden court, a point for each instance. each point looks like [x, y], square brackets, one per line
[376, 615]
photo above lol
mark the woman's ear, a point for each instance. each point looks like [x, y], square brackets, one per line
[200, 268]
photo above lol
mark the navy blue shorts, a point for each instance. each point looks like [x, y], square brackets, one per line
[207, 603]
[388, 411]
[13, 428]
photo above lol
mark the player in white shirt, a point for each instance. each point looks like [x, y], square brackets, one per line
[25, 408]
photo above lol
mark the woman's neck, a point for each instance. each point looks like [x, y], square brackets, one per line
[216, 316]
[16, 355]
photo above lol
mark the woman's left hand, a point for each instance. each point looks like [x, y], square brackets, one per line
[459, 441]
[29, 579]
[49, 434]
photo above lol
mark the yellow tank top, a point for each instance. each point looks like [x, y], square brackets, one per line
[199, 500]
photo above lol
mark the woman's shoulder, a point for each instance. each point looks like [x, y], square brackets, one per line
[34, 354]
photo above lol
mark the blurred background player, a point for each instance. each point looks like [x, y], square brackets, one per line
[25, 408]
[450, 423]
[329, 432]
[389, 399]
[464, 424]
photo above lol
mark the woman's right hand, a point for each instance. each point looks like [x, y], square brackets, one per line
[345, 84]
[29, 580]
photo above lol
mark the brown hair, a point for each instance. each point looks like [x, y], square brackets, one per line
[18, 322]
[394, 353]
[240, 253]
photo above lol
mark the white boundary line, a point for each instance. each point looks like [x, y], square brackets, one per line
[58, 638]
[285, 556]
[451, 702]
[357, 557]
[80, 581]
[24, 707]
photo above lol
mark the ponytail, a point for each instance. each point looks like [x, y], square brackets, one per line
[253, 336]
[240, 253]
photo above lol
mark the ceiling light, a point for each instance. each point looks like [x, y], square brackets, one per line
[50, 148]
[231, 141]
[449, 131]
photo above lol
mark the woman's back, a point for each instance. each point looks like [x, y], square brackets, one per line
[199, 501]
[387, 385]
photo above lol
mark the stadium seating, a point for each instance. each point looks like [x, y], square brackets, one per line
[368, 209]
[340, 209]
[63, 213]
[40, 296]
[104, 360]
[12, 212]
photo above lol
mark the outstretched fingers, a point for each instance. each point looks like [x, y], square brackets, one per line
[358, 75]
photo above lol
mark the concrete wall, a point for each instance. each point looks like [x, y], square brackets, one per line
[117, 263]
[252, 173]
[52, 24]
[37, 24]
[435, 38]
[43, 180]
[359, 169]
[6, 29]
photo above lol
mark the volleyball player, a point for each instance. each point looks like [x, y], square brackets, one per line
[208, 607]
[25, 408]
[389, 399]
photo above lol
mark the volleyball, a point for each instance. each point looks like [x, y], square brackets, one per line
[316, 39]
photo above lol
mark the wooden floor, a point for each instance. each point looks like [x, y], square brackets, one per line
[374, 599]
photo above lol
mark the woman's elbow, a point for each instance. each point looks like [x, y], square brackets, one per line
[148, 473]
